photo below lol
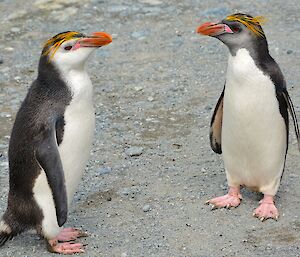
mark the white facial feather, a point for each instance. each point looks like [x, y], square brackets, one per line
[72, 59]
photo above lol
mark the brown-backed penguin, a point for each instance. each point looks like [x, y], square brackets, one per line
[51, 141]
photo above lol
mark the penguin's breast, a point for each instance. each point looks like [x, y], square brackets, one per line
[77, 141]
[253, 130]
[79, 126]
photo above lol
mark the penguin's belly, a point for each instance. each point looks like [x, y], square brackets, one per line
[76, 144]
[253, 130]
[74, 148]
[74, 152]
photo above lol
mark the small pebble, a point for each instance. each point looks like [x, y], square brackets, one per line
[146, 208]
[140, 35]
[134, 151]
[9, 49]
[138, 88]
[125, 191]
[289, 51]
[105, 170]
[151, 2]
[117, 8]
[15, 29]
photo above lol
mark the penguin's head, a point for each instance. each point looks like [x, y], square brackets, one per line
[236, 31]
[71, 49]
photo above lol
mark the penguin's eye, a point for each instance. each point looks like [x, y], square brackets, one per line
[236, 29]
[68, 48]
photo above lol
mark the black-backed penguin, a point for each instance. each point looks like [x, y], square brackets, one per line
[250, 123]
[51, 141]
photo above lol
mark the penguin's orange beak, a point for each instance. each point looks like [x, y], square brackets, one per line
[213, 29]
[96, 39]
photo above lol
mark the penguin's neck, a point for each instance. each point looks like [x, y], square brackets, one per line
[78, 82]
[242, 69]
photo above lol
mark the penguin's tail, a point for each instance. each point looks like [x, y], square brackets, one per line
[6, 232]
[5, 237]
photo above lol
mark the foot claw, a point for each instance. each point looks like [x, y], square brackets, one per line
[64, 248]
[232, 199]
[266, 209]
[70, 234]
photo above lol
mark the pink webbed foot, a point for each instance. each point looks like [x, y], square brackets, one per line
[232, 199]
[266, 209]
[61, 243]
[70, 234]
[64, 248]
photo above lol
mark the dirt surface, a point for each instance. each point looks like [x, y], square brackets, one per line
[155, 88]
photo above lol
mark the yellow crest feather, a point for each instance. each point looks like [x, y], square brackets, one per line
[252, 23]
[55, 42]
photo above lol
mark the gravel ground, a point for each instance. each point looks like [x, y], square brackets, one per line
[151, 167]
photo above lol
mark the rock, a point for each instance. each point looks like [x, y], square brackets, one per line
[125, 191]
[150, 99]
[4, 164]
[134, 151]
[15, 29]
[54, 4]
[146, 208]
[140, 35]
[105, 170]
[152, 11]
[216, 12]
[68, 2]
[138, 88]
[16, 15]
[65, 14]
[117, 8]
[1, 61]
[289, 51]
[3, 146]
[42, 2]
[5, 115]
[9, 49]
[151, 2]
[45, 5]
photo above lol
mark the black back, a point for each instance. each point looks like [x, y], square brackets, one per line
[41, 111]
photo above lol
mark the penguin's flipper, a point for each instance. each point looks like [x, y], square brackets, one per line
[293, 114]
[48, 157]
[216, 126]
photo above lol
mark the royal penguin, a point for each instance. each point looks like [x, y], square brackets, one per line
[51, 141]
[250, 123]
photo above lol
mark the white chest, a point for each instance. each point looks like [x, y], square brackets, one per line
[250, 96]
[253, 130]
[78, 131]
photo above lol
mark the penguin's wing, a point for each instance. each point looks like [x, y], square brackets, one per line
[49, 159]
[216, 126]
[292, 112]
